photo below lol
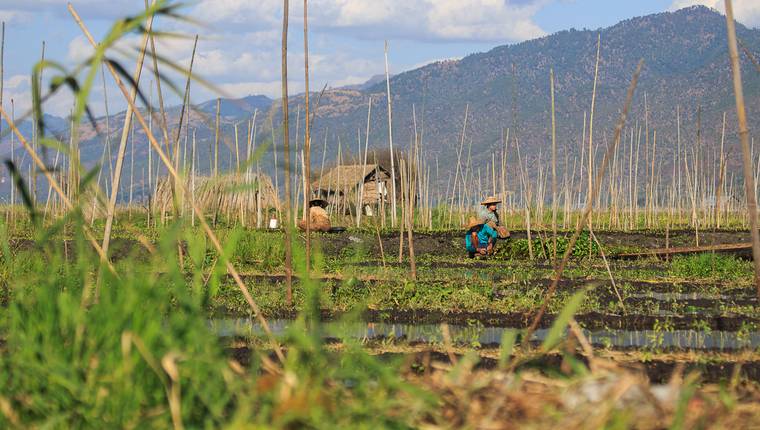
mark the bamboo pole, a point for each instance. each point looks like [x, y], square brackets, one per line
[307, 139]
[410, 222]
[35, 133]
[13, 159]
[741, 114]
[124, 135]
[132, 164]
[360, 202]
[286, 154]
[721, 175]
[390, 138]
[192, 181]
[216, 138]
[157, 76]
[276, 167]
[150, 157]
[591, 122]
[554, 171]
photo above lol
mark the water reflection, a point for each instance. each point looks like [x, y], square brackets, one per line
[480, 335]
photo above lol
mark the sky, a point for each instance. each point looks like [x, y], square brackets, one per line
[239, 46]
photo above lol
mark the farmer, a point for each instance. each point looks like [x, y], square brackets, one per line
[318, 219]
[489, 211]
[481, 237]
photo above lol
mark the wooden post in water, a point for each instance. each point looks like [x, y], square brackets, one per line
[749, 183]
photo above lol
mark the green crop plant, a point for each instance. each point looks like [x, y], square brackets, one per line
[710, 266]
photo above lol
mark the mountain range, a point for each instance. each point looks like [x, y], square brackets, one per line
[686, 69]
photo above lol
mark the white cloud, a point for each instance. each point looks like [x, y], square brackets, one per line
[470, 20]
[242, 89]
[745, 11]
[239, 46]
[10, 16]
[79, 49]
[16, 81]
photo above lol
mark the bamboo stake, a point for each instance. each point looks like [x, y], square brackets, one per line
[410, 222]
[150, 158]
[721, 175]
[390, 138]
[216, 138]
[554, 171]
[276, 175]
[749, 184]
[124, 135]
[192, 181]
[35, 133]
[307, 139]
[132, 164]
[286, 153]
[591, 120]
[360, 203]
[13, 159]
[164, 122]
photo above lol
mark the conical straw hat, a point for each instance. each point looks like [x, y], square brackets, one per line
[493, 200]
[472, 223]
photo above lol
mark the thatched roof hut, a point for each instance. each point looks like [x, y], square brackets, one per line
[346, 180]
[231, 196]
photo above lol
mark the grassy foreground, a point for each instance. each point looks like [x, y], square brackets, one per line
[83, 347]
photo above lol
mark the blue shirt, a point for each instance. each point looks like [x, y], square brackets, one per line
[485, 234]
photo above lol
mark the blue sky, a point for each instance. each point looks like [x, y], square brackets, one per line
[239, 49]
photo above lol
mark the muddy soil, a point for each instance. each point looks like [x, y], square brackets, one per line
[445, 244]
[590, 320]
[452, 243]
[658, 370]
[120, 248]
[521, 320]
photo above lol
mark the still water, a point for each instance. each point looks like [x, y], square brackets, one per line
[481, 335]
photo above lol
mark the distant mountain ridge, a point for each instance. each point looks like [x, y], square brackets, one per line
[686, 67]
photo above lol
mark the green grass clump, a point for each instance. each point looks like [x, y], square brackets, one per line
[85, 348]
[72, 361]
[710, 266]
